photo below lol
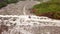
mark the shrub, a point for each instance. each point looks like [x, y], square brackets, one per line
[11, 1]
[2, 4]
[5, 2]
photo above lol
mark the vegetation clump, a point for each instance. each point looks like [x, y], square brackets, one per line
[50, 9]
[5, 2]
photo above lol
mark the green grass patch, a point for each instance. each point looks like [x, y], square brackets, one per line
[45, 7]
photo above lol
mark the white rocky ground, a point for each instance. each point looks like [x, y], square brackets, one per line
[29, 20]
[23, 23]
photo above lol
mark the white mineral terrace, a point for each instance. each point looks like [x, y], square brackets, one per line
[30, 20]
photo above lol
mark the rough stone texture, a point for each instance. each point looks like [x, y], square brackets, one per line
[51, 29]
[11, 9]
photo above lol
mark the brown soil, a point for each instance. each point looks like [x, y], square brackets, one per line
[53, 15]
[3, 28]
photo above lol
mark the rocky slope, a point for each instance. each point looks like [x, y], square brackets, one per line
[17, 8]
